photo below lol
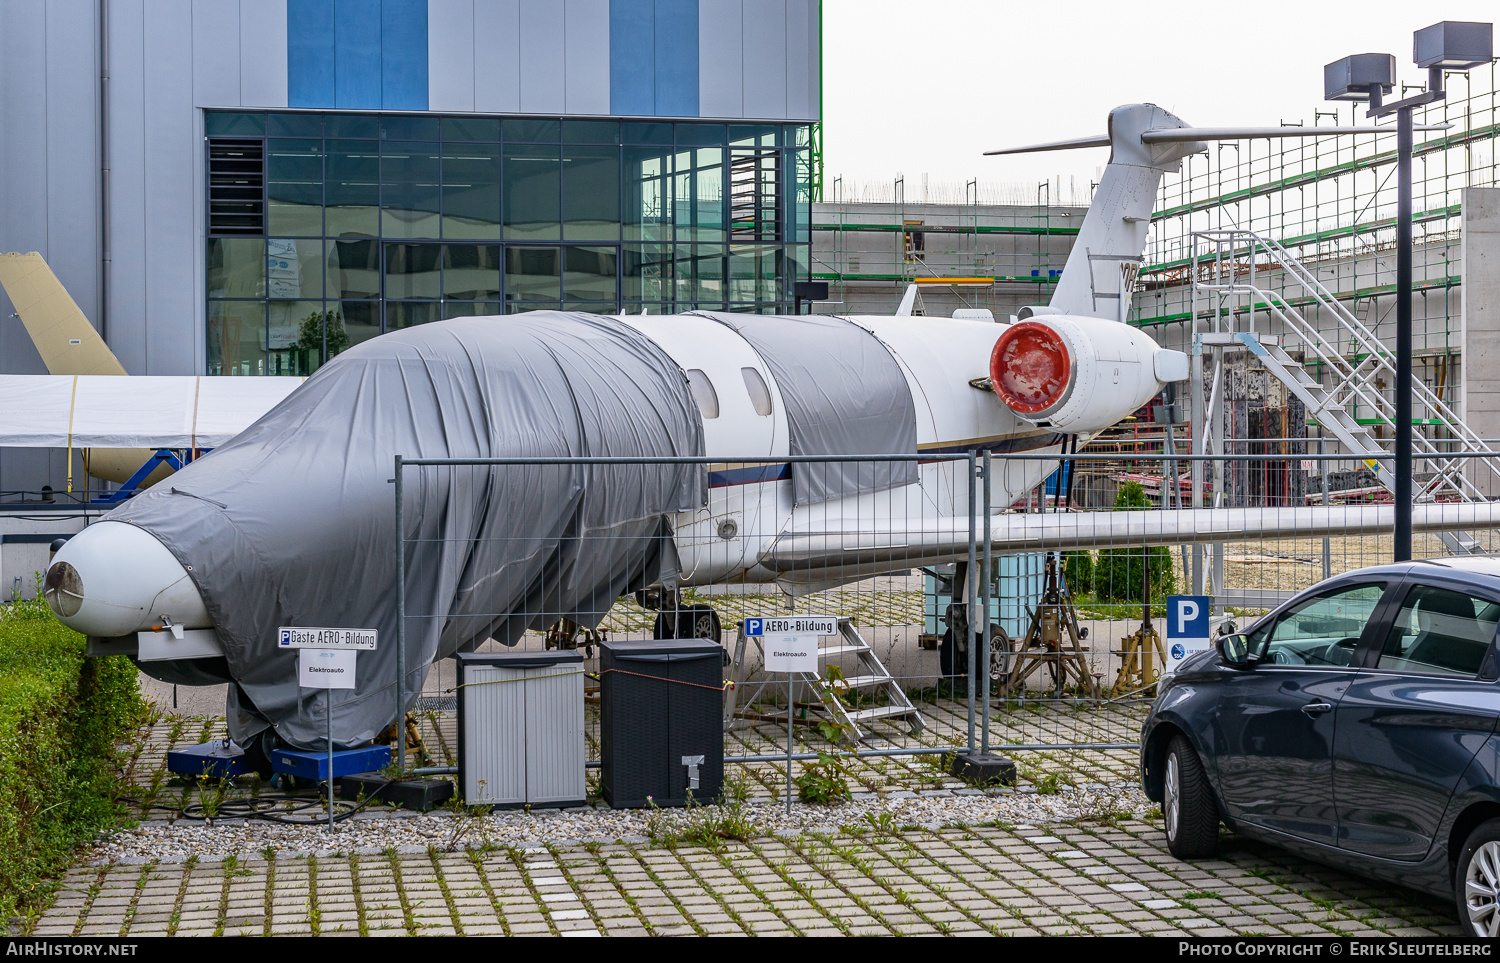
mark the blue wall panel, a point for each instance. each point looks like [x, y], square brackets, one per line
[403, 53]
[356, 70]
[310, 53]
[676, 58]
[632, 68]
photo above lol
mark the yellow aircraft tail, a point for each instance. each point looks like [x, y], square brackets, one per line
[67, 342]
[69, 345]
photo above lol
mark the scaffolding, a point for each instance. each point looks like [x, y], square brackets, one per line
[1331, 202]
[999, 256]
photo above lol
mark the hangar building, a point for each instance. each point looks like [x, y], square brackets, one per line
[248, 186]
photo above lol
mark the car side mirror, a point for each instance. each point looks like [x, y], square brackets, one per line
[1234, 651]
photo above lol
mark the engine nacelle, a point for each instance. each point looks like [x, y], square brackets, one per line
[1077, 374]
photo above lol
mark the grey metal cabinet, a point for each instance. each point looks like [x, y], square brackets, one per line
[520, 729]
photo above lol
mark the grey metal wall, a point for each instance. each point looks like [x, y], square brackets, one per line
[48, 153]
[168, 59]
[756, 59]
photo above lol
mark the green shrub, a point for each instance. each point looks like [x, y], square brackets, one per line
[1117, 577]
[1078, 573]
[61, 716]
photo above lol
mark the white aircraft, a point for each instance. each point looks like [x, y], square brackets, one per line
[1054, 377]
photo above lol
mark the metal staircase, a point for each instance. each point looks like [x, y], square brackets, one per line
[829, 686]
[1229, 274]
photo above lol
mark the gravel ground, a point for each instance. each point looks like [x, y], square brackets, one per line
[378, 831]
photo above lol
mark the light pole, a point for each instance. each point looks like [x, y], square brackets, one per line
[1450, 45]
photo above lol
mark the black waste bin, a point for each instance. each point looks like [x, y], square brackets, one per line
[661, 722]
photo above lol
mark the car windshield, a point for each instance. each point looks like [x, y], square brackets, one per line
[1322, 630]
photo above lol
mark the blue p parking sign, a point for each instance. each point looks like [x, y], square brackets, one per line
[755, 627]
[1187, 627]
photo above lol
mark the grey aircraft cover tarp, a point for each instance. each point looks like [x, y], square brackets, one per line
[293, 521]
[844, 395]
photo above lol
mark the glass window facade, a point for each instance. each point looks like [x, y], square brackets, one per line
[379, 222]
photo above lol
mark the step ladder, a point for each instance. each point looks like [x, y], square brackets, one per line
[872, 678]
[1356, 359]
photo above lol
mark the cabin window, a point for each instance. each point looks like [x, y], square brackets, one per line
[760, 397]
[703, 393]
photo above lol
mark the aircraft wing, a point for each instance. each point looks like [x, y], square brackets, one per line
[822, 547]
[103, 411]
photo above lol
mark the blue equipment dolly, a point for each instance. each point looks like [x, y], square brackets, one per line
[346, 762]
[215, 759]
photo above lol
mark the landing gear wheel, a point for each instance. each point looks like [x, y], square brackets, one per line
[1476, 886]
[1000, 658]
[1192, 815]
[706, 624]
[688, 622]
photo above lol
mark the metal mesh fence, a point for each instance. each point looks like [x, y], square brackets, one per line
[1070, 596]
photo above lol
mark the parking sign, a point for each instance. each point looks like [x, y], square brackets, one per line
[1187, 627]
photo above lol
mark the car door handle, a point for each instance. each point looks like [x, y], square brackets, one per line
[1317, 708]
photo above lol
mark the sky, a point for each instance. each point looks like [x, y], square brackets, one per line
[926, 86]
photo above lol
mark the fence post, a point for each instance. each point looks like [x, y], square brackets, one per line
[971, 590]
[400, 718]
[986, 583]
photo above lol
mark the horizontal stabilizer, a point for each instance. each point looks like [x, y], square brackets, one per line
[1101, 141]
[1181, 135]
[815, 546]
[96, 411]
[1187, 135]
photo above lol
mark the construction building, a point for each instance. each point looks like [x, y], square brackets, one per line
[967, 255]
[1285, 250]
[1287, 242]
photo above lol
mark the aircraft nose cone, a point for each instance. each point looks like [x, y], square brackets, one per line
[63, 589]
[113, 579]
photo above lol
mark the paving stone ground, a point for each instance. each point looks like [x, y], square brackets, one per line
[1069, 879]
[1108, 875]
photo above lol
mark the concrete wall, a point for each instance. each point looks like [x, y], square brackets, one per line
[1480, 318]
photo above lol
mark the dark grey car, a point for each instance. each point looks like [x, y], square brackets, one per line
[1354, 725]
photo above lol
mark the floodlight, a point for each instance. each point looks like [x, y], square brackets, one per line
[1454, 45]
[1352, 77]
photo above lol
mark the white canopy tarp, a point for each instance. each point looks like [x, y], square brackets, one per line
[100, 411]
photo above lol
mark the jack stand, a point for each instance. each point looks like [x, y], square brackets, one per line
[1053, 641]
[1137, 669]
[414, 741]
[567, 634]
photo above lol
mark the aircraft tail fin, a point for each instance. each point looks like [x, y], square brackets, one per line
[66, 340]
[1145, 142]
[1100, 273]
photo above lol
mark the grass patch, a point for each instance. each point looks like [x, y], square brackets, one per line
[61, 717]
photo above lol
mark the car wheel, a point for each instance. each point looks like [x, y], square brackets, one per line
[1477, 884]
[1192, 815]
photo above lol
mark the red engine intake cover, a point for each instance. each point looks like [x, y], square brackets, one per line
[1030, 367]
